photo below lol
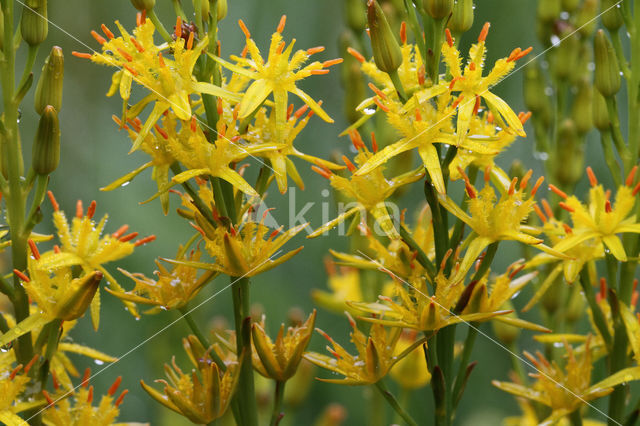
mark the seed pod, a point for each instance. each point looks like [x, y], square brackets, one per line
[611, 15]
[438, 9]
[386, 50]
[49, 88]
[143, 4]
[462, 17]
[45, 155]
[34, 26]
[600, 112]
[582, 108]
[355, 15]
[607, 73]
[549, 10]
[222, 9]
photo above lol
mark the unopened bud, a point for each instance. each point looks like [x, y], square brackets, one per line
[585, 19]
[79, 296]
[438, 9]
[45, 154]
[462, 17]
[516, 169]
[49, 88]
[566, 57]
[582, 108]
[570, 5]
[386, 50]
[549, 10]
[1, 30]
[611, 15]
[356, 15]
[143, 4]
[34, 24]
[535, 97]
[204, 9]
[600, 112]
[607, 74]
[222, 9]
[570, 155]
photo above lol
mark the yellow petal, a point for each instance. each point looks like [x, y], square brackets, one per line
[431, 161]
[313, 105]
[385, 154]
[25, 326]
[253, 97]
[614, 244]
[126, 178]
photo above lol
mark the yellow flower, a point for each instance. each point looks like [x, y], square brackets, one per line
[473, 86]
[370, 190]
[279, 360]
[202, 395]
[410, 372]
[600, 219]
[170, 81]
[344, 285]
[278, 75]
[376, 355]
[62, 412]
[566, 391]
[13, 382]
[172, 290]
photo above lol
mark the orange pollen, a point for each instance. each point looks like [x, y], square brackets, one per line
[54, 379]
[514, 53]
[121, 397]
[377, 91]
[98, 37]
[476, 107]
[56, 249]
[300, 111]
[331, 62]
[128, 237]
[487, 173]
[244, 29]
[131, 70]
[490, 117]
[541, 215]
[178, 28]
[592, 177]
[567, 228]
[85, 378]
[374, 142]
[324, 173]
[547, 208]
[318, 72]
[138, 19]
[81, 55]
[603, 288]
[512, 187]
[282, 23]
[125, 54]
[107, 32]
[114, 386]
[472, 66]
[159, 129]
[519, 54]
[137, 45]
[418, 115]
[50, 400]
[457, 102]
[144, 240]
[353, 52]
[403, 32]
[289, 111]
[524, 116]
[194, 124]
[421, 75]
[134, 124]
[34, 249]
[607, 206]
[14, 372]
[79, 209]
[636, 189]
[90, 395]
[631, 176]
[190, 40]
[470, 191]
[274, 233]
[449, 38]
[525, 179]
[453, 82]
[558, 191]
[382, 107]
[349, 164]
[91, 210]
[483, 34]
[219, 106]
[318, 49]
[243, 54]
[516, 271]
[356, 139]
[565, 206]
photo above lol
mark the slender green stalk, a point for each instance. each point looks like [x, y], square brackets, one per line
[598, 316]
[618, 139]
[394, 403]
[177, 8]
[278, 396]
[616, 171]
[31, 59]
[486, 261]
[194, 327]
[575, 418]
[52, 346]
[159, 26]
[472, 332]
[395, 79]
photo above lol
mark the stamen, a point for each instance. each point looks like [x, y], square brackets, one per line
[178, 27]
[318, 49]
[85, 378]
[525, 179]
[377, 91]
[131, 70]
[128, 237]
[90, 395]
[377, 101]
[421, 75]
[558, 191]
[91, 210]
[472, 66]
[534, 190]
[636, 189]
[138, 19]
[449, 38]
[418, 115]
[50, 401]
[453, 82]
[547, 208]
[121, 397]
[567, 229]
[349, 164]
[137, 45]
[144, 241]
[300, 111]
[79, 209]
[374, 143]
[125, 54]
[476, 107]
[244, 29]
[81, 55]
[403, 32]
[512, 187]
[98, 37]
[159, 129]
[592, 177]
[483, 34]
[565, 206]
[631, 176]
[524, 116]
[107, 32]
[281, 24]
[318, 72]
[457, 102]
[355, 54]
[190, 40]
[194, 124]
[34, 249]
[331, 62]
[607, 206]
[487, 174]
[114, 386]
[324, 173]
[541, 215]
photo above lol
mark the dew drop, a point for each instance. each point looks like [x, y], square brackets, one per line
[564, 15]
[369, 111]
[555, 40]
[98, 362]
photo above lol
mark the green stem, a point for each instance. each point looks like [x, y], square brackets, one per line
[31, 59]
[413, 24]
[159, 26]
[395, 79]
[598, 316]
[434, 58]
[245, 394]
[177, 8]
[486, 261]
[52, 346]
[610, 158]
[618, 139]
[575, 418]
[194, 328]
[421, 257]
[472, 332]
[197, 201]
[278, 396]
[394, 403]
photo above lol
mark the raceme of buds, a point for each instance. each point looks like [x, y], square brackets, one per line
[462, 17]
[566, 57]
[611, 15]
[534, 93]
[46, 146]
[34, 26]
[355, 15]
[438, 9]
[600, 113]
[386, 50]
[570, 154]
[49, 88]
[143, 4]
[607, 73]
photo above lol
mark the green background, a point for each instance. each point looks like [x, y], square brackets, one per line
[94, 153]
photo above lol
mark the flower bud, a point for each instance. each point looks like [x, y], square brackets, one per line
[386, 50]
[79, 296]
[46, 146]
[356, 15]
[462, 17]
[1, 29]
[576, 306]
[352, 79]
[535, 98]
[570, 5]
[569, 155]
[581, 112]
[607, 73]
[566, 57]
[612, 18]
[438, 9]
[549, 10]
[204, 9]
[143, 4]
[600, 112]
[585, 19]
[222, 9]
[34, 26]
[49, 88]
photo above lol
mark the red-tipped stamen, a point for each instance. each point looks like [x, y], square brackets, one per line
[565, 206]
[178, 27]
[161, 131]
[567, 229]
[403, 32]
[535, 188]
[319, 72]
[138, 19]
[349, 164]
[476, 106]
[91, 210]
[525, 179]
[418, 115]
[107, 32]
[603, 288]
[56, 249]
[607, 206]
[114, 386]
[592, 177]
[125, 54]
[324, 173]
[512, 186]
[79, 209]
[34, 249]
[120, 232]
[377, 91]
[289, 111]
[332, 62]
[636, 189]
[300, 111]
[244, 28]
[90, 395]
[318, 49]
[356, 140]
[558, 191]
[518, 53]
[483, 34]
[50, 401]
[131, 70]
[449, 38]
[541, 215]
[453, 82]
[377, 101]
[137, 45]
[421, 75]
[471, 192]
[281, 24]
[190, 40]
[514, 53]
[144, 240]
[547, 208]
[121, 397]
[81, 55]
[85, 378]
[631, 176]
[355, 54]
[54, 380]
[457, 102]
[128, 237]
[21, 275]
[98, 37]
[524, 116]
[194, 124]
[374, 143]
[472, 66]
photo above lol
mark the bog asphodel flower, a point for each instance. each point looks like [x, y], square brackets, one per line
[566, 390]
[13, 382]
[344, 285]
[600, 219]
[170, 81]
[202, 395]
[79, 410]
[279, 359]
[369, 191]
[376, 355]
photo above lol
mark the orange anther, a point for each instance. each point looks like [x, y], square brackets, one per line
[31, 363]
[144, 16]
[56, 249]
[374, 143]
[318, 49]
[524, 116]
[178, 27]
[79, 209]
[190, 40]
[281, 24]
[453, 82]
[54, 379]
[81, 55]
[125, 54]
[274, 233]
[489, 117]
[356, 139]
[567, 229]
[318, 72]
[160, 130]
[128, 237]
[592, 177]
[631, 176]
[514, 54]
[636, 189]
[525, 179]
[50, 401]
[547, 208]
[455, 104]
[483, 34]
[476, 106]
[487, 174]
[349, 164]
[470, 190]
[472, 66]
[418, 115]
[322, 172]
[607, 206]
[565, 206]
[90, 395]
[120, 232]
[131, 70]
[300, 111]
[144, 240]
[91, 210]
[403, 32]
[558, 191]
[34, 249]
[98, 37]
[449, 38]
[85, 377]
[114, 386]
[138, 19]
[377, 91]
[541, 215]
[523, 53]
[194, 124]
[355, 54]
[603, 287]
[331, 62]
[138, 46]
[421, 75]
[512, 186]
[107, 32]
[121, 397]
[244, 29]
[377, 101]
